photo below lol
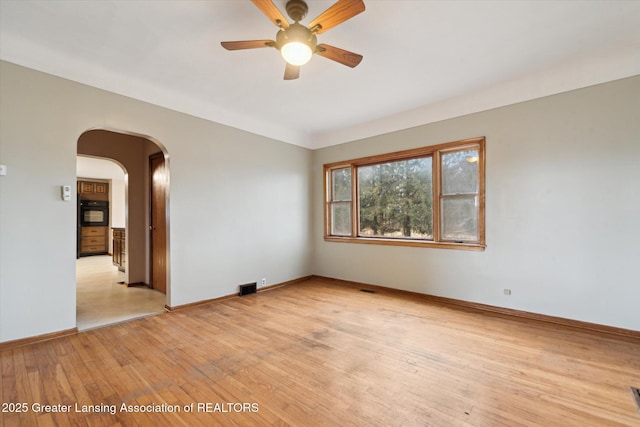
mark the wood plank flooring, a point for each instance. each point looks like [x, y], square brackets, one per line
[323, 354]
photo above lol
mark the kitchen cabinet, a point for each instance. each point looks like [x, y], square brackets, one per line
[93, 240]
[119, 240]
[93, 190]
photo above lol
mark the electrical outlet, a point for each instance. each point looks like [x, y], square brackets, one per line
[263, 282]
[507, 291]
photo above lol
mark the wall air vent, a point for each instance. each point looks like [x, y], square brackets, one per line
[249, 288]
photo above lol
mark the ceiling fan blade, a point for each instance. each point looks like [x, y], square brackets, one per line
[342, 56]
[291, 72]
[248, 44]
[336, 14]
[272, 12]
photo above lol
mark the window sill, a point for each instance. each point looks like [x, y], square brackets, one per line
[401, 242]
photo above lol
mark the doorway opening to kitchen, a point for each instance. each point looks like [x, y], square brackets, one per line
[122, 256]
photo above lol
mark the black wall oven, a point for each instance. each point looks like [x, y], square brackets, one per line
[94, 213]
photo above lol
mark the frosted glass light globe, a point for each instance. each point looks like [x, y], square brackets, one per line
[296, 53]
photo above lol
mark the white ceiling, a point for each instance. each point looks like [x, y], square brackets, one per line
[98, 168]
[423, 60]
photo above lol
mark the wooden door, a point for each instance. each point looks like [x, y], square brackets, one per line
[158, 221]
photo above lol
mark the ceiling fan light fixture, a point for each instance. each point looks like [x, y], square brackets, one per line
[296, 53]
[297, 44]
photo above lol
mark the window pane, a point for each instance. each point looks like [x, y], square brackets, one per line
[341, 179]
[341, 219]
[460, 172]
[395, 199]
[460, 218]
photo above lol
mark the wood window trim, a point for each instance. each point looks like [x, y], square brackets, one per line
[435, 152]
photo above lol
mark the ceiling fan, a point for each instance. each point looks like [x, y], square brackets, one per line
[298, 43]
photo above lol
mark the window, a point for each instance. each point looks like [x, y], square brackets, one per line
[431, 196]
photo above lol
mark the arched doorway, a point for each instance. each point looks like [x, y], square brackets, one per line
[134, 153]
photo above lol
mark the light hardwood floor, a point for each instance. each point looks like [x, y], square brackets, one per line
[101, 300]
[323, 354]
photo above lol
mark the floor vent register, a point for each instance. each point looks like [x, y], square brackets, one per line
[635, 391]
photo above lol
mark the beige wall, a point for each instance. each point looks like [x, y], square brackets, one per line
[238, 208]
[562, 208]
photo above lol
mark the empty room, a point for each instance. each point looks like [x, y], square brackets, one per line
[319, 213]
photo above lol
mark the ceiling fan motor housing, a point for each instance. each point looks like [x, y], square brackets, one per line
[296, 33]
[297, 9]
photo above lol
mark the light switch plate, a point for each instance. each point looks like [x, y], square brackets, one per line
[3, 170]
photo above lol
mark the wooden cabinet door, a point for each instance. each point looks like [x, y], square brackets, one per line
[119, 258]
[85, 187]
[100, 188]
